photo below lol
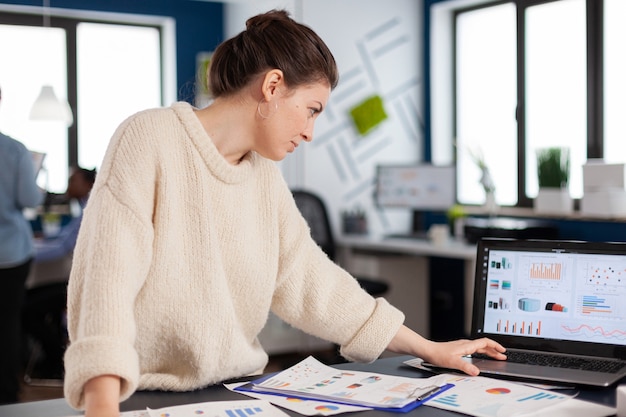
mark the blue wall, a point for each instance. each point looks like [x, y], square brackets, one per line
[199, 27]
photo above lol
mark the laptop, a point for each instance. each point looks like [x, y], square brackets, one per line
[560, 305]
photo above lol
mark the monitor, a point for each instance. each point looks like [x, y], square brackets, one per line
[422, 187]
[38, 158]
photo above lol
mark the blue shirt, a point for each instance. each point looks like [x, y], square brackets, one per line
[18, 190]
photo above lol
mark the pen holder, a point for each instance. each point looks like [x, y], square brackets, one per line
[439, 234]
[354, 222]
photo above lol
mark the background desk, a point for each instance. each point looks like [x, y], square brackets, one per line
[404, 262]
[157, 399]
[49, 272]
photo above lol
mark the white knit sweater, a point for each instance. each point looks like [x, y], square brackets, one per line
[180, 258]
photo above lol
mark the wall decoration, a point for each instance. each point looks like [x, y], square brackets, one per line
[378, 55]
[202, 94]
[368, 114]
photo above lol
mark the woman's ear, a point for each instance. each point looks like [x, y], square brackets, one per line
[273, 82]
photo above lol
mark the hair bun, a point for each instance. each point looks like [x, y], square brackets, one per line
[261, 22]
[271, 40]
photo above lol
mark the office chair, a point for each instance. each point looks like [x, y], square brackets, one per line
[314, 211]
[45, 333]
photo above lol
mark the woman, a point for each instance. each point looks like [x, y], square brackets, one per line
[191, 236]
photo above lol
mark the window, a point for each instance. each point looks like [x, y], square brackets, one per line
[21, 78]
[118, 75]
[614, 81]
[486, 101]
[555, 93]
[525, 74]
[108, 68]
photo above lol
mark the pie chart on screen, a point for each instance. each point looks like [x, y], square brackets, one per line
[498, 391]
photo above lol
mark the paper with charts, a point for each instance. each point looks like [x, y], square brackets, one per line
[311, 379]
[299, 405]
[244, 408]
[489, 397]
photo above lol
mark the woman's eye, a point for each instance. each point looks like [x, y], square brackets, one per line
[313, 111]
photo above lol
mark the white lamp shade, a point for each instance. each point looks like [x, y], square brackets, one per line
[49, 107]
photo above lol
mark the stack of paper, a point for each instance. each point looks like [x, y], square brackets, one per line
[310, 379]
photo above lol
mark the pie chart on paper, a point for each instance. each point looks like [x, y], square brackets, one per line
[327, 407]
[498, 391]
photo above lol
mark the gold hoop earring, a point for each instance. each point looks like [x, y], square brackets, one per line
[271, 110]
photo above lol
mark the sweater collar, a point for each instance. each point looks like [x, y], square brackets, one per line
[217, 164]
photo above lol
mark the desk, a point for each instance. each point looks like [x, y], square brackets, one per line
[350, 247]
[49, 272]
[157, 399]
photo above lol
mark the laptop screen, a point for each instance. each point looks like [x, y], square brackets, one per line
[529, 292]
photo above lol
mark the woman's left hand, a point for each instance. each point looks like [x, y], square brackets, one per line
[445, 354]
[450, 354]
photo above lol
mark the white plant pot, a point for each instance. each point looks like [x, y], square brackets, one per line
[554, 201]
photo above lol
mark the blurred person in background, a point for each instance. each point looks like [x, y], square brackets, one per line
[79, 186]
[18, 190]
[45, 303]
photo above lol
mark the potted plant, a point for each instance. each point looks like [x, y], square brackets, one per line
[553, 166]
[456, 220]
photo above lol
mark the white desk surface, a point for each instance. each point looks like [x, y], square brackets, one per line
[451, 249]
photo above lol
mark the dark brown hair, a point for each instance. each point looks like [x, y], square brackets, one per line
[271, 40]
[89, 175]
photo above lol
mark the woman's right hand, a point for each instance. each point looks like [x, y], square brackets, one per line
[102, 396]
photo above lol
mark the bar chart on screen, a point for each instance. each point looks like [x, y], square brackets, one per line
[594, 305]
[545, 271]
[530, 328]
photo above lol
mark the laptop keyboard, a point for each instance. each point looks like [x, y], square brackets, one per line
[586, 364]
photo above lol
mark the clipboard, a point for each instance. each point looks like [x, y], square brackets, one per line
[249, 387]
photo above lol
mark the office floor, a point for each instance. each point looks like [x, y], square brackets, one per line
[52, 389]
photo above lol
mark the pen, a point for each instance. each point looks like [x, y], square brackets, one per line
[428, 393]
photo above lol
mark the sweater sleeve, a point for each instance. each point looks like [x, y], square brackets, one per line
[111, 261]
[317, 296]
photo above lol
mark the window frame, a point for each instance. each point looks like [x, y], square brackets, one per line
[69, 20]
[443, 29]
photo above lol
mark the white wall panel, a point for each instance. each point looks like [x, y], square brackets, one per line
[378, 49]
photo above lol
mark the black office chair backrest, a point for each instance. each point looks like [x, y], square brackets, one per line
[314, 212]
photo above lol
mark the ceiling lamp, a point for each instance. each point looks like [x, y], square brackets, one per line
[49, 107]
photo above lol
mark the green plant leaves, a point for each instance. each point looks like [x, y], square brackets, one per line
[553, 167]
